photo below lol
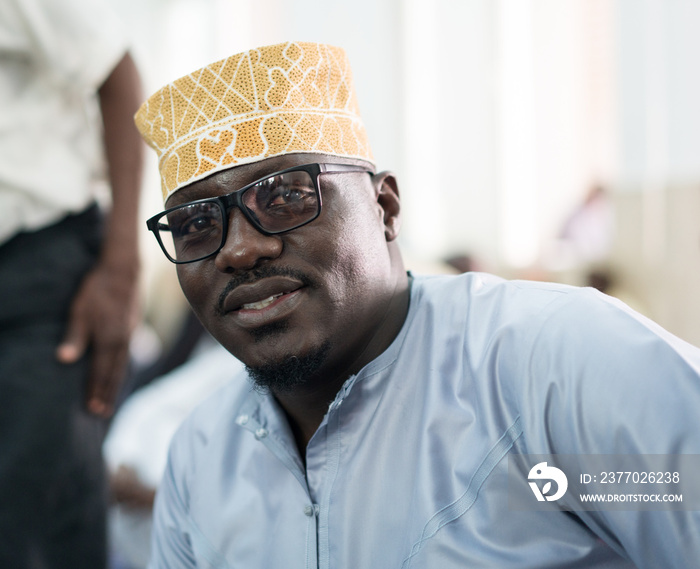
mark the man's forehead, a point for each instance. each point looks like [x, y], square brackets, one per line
[237, 177]
[256, 170]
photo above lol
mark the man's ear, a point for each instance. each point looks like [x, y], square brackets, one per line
[386, 190]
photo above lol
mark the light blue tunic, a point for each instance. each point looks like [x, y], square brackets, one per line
[409, 467]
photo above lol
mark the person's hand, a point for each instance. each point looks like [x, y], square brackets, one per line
[102, 317]
[129, 491]
[104, 311]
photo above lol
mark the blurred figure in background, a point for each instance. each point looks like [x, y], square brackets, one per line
[587, 234]
[68, 277]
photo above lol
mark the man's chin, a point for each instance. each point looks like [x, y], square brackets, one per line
[269, 331]
[291, 372]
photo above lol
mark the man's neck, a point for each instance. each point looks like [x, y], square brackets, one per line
[307, 405]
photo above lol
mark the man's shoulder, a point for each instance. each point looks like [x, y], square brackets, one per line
[495, 297]
[475, 283]
[485, 313]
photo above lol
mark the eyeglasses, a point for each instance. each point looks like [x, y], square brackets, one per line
[275, 204]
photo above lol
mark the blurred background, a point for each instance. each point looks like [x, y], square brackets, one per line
[541, 139]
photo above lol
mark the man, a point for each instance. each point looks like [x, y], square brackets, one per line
[68, 280]
[387, 408]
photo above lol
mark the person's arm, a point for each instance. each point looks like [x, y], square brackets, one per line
[104, 311]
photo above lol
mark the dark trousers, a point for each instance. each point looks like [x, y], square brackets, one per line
[52, 482]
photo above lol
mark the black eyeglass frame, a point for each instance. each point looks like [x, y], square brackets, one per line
[235, 199]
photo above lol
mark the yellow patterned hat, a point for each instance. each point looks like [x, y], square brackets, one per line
[278, 99]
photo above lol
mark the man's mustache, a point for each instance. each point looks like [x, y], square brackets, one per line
[260, 273]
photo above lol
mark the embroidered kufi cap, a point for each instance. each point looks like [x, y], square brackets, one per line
[279, 99]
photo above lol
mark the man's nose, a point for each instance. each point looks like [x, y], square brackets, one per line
[245, 246]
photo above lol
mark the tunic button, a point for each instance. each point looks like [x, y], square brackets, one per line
[242, 419]
[309, 510]
[260, 433]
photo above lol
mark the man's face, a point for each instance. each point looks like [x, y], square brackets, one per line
[321, 290]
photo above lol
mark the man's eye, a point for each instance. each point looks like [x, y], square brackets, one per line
[285, 195]
[194, 222]
[197, 224]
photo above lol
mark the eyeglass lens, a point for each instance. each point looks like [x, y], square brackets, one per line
[276, 204]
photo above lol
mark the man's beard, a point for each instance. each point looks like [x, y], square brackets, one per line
[290, 373]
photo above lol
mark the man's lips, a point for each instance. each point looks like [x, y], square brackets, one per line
[260, 294]
[263, 303]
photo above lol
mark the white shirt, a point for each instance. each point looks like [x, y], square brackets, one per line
[54, 55]
[410, 466]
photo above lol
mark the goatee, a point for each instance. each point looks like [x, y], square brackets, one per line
[290, 373]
